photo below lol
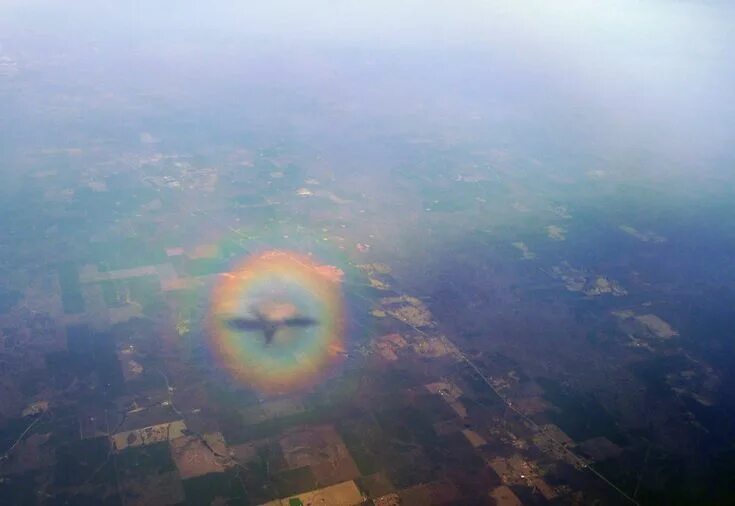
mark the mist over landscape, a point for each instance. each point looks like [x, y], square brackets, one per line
[474, 252]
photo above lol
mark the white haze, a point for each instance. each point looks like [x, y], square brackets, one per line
[638, 75]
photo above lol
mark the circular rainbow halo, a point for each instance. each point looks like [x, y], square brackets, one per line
[276, 320]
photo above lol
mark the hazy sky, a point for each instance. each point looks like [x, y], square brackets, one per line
[661, 70]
